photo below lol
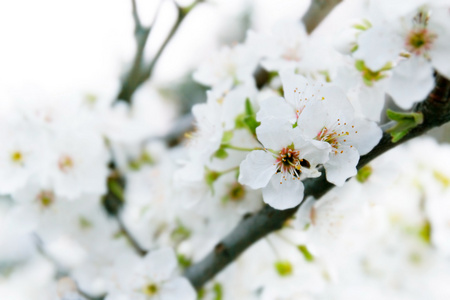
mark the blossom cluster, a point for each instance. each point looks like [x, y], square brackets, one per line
[93, 204]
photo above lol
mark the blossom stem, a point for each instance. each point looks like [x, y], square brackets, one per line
[241, 148]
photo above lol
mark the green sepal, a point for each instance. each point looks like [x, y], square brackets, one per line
[183, 261]
[364, 174]
[210, 177]
[405, 122]
[227, 136]
[283, 268]
[221, 153]
[306, 254]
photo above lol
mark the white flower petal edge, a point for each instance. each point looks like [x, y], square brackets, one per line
[178, 288]
[276, 108]
[257, 169]
[160, 263]
[282, 193]
[342, 165]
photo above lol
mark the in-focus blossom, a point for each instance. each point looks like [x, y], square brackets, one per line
[279, 167]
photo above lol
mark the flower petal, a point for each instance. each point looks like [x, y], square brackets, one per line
[276, 108]
[341, 165]
[178, 288]
[274, 134]
[411, 81]
[257, 169]
[283, 194]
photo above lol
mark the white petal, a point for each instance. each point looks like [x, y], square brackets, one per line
[341, 165]
[257, 169]
[378, 46]
[315, 152]
[368, 135]
[276, 108]
[274, 134]
[283, 194]
[160, 263]
[178, 288]
[440, 55]
[411, 81]
[292, 82]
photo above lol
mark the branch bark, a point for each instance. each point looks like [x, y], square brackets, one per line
[436, 112]
[317, 11]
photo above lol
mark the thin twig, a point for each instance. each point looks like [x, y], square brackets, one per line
[136, 246]
[140, 72]
[436, 112]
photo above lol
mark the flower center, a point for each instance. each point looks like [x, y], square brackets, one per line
[236, 192]
[329, 136]
[45, 198]
[150, 289]
[289, 161]
[65, 163]
[419, 40]
[17, 157]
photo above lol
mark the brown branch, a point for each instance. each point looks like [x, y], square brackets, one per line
[436, 112]
[317, 11]
[140, 71]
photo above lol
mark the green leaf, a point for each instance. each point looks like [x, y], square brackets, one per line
[364, 174]
[249, 108]
[405, 122]
[306, 254]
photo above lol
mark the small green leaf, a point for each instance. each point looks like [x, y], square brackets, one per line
[405, 122]
[364, 174]
[283, 268]
[304, 250]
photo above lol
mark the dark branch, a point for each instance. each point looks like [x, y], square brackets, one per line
[436, 112]
[317, 11]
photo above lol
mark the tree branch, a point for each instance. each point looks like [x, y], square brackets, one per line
[436, 112]
[317, 11]
[139, 73]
